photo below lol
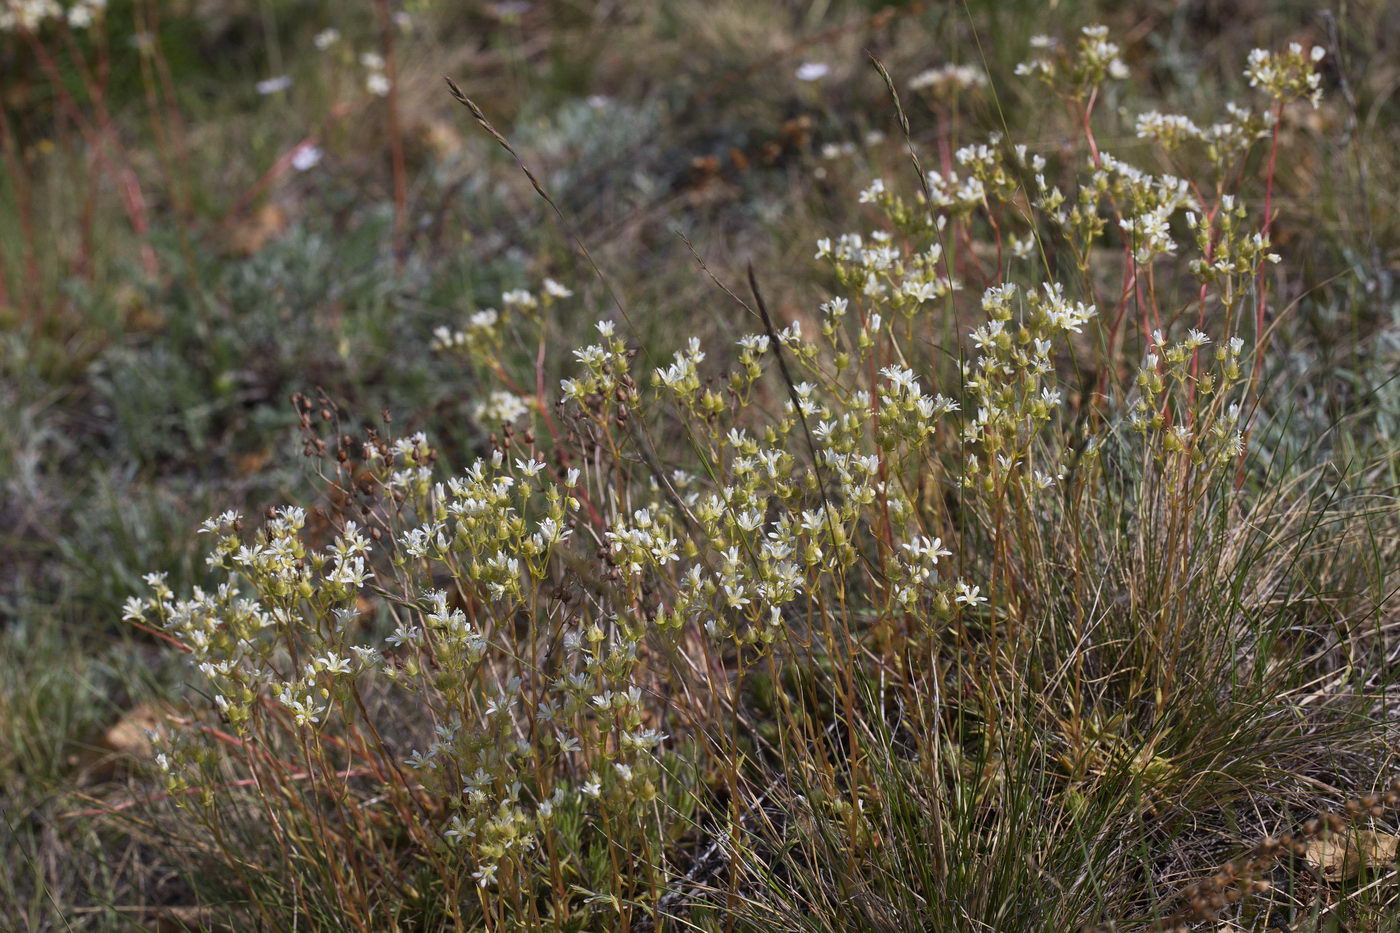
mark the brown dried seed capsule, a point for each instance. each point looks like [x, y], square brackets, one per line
[325, 414]
[529, 436]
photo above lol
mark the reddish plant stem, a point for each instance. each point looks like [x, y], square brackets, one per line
[1089, 128]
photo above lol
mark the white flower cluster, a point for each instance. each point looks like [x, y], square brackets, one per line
[1094, 59]
[1289, 75]
[31, 15]
[376, 79]
[501, 407]
[948, 79]
[1210, 435]
[1224, 140]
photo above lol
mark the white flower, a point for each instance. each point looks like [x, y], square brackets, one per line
[82, 14]
[326, 38]
[812, 71]
[332, 663]
[929, 549]
[968, 595]
[872, 194]
[220, 522]
[403, 635]
[350, 572]
[306, 157]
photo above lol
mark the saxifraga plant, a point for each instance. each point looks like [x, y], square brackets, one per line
[795, 643]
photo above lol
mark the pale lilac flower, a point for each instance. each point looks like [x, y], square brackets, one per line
[273, 85]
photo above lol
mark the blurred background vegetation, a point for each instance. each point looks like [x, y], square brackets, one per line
[205, 207]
